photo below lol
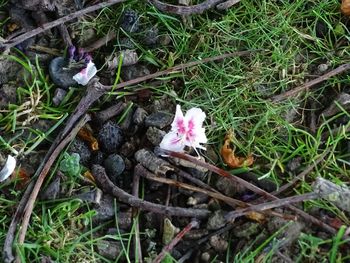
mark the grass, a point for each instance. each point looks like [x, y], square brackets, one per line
[287, 45]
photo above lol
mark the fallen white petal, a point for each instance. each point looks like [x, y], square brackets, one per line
[84, 76]
[8, 168]
[172, 142]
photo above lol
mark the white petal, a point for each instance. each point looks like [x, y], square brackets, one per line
[172, 142]
[84, 76]
[8, 168]
[197, 116]
[178, 124]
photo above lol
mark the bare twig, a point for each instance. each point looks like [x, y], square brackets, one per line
[174, 242]
[294, 92]
[250, 186]
[181, 67]
[107, 185]
[139, 169]
[185, 10]
[137, 243]
[269, 205]
[302, 175]
[42, 175]
[100, 42]
[227, 4]
[19, 39]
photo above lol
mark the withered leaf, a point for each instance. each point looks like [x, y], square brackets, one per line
[228, 154]
[345, 7]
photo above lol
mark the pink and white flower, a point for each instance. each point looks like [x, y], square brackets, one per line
[185, 131]
[84, 76]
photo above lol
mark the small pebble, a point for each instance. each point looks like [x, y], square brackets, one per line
[155, 135]
[130, 21]
[216, 220]
[219, 244]
[229, 187]
[114, 165]
[109, 249]
[110, 137]
[139, 116]
[322, 68]
[151, 36]
[58, 96]
[159, 119]
[134, 71]
[52, 190]
[98, 158]
[81, 148]
[59, 76]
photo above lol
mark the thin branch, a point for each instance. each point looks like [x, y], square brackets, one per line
[174, 242]
[302, 175]
[294, 92]
[139, 169]
[19, 39]
[273, 204]
[42, 176]
[249, 186]
[137, 243]
[100, 42]
[185, 10]
[107, 185]
[181, 67]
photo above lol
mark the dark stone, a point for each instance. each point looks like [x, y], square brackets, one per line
[114, 165]
[130, 21]
[216, 220]
[134, 71]
[7, 95]
[105, 209]
[159, 119]
[321, 29]
[52, 190]
[98, 158]
[229, 187]
[151, 36]
[58, 96]
[155, 135]
[109, 249]
[139, 116]
[59, 76]
[110, 137]
[81, 148]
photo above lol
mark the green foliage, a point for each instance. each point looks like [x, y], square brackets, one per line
[70, 164]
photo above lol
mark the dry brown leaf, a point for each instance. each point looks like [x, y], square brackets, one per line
[256, 216]
[228, 154]
[88, 175]
[22, 177]
[345, 7]
[86, 135]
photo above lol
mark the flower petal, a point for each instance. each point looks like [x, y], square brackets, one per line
[8, 168]
[172, 142]
[178, 124]
[84, 76]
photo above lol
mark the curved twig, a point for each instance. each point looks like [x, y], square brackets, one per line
[107, 186]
